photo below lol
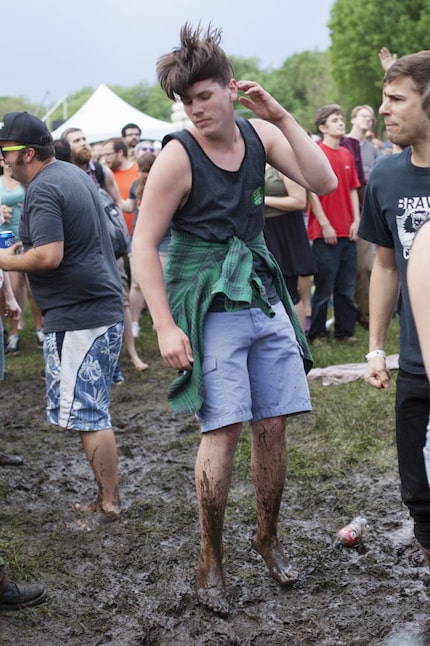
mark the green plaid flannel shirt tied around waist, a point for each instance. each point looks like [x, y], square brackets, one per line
[196, 271]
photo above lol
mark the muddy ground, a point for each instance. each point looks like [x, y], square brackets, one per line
[133, 585]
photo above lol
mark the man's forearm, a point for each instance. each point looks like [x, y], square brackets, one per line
[318, 210]
[36, 259]
[383, 296]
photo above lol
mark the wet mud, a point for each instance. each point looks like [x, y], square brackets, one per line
[132, 583]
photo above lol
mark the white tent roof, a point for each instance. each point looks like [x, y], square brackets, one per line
[104, 114]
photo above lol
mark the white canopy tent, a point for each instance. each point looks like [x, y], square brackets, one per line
[104, 114]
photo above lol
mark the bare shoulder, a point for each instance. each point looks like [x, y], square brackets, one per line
[173, 151]
[270, 135]
[171, 173]
[265, 129]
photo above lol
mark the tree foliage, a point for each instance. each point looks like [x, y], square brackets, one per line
[148, 99]
[18, 104]
[349, 73]
[358, 31]
[302, 85]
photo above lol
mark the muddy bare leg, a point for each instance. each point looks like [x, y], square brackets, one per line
[100, 449]
[213, 477]
[269, 467]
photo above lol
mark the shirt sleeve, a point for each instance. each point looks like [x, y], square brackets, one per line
[373, 225]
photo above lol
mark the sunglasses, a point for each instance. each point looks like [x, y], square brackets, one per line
[9, 149]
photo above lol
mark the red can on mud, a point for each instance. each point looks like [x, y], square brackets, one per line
[351, 534]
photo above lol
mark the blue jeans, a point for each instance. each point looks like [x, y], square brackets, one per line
[336, 272]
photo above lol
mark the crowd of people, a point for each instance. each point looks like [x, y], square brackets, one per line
[231, 227]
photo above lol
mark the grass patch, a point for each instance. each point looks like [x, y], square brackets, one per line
[29, 362]
[349, 425]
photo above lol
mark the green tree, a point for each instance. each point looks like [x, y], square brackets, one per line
[359, 30]
[157, 104]
[248, 68]
[18, 104]
[71, 105]
[302, 85]
[148, 99]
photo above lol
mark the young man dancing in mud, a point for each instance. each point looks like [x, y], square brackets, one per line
[397, 202]
[224, 319]
[76, 284]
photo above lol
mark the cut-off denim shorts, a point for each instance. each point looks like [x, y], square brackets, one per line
[252, 368]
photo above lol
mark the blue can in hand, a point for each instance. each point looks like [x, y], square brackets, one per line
[7, 239]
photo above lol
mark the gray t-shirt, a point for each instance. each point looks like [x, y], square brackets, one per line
[369, 155]
[84, 291]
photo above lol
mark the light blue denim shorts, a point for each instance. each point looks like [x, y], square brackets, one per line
[252, 368]
[79, 366]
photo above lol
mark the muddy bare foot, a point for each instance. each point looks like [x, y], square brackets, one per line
[95, 505]
[98, 520]
[276, 560]
[210, 588]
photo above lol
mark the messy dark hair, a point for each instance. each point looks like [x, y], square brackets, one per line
[325, 112]
[416, 66]
[199, 57]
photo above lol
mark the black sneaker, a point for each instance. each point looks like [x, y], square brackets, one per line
[16, 597]
[10, 460]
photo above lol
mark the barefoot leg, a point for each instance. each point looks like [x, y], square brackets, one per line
[213, 477]
[269, 466]
[100, 449]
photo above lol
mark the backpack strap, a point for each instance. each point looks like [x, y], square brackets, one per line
[100, 176]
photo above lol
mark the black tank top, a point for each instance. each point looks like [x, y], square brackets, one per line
[223, 203]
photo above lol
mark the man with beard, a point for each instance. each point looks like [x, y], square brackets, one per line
[82, 156]
[124, 170]
[74, 278]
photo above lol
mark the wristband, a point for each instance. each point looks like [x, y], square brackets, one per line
[375, 353]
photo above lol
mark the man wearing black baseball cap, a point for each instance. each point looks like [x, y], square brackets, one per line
[29, 139]
[75, 281]
[24, 128]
